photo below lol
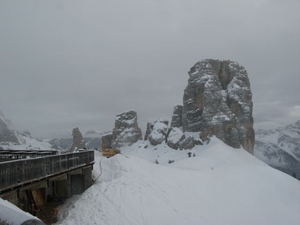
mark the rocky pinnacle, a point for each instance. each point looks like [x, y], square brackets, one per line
[218, 101]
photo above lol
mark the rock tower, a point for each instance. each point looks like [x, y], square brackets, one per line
[218, 101]
[126, 131]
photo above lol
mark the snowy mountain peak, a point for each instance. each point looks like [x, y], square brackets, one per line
[11, 139]
[280, 147]
[92, 134]
[4, 121]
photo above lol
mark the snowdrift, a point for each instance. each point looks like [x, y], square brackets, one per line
[12, 215]
[220, 185]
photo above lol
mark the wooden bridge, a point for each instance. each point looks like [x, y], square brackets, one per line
[30, 183]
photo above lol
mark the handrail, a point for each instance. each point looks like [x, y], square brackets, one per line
[17, 172]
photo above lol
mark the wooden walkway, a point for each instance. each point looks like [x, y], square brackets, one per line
[19, 172]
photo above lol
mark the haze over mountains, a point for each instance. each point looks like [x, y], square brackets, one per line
[278, 148]
[92, 139]
[198, 170]
[73, 70]
[216, 102]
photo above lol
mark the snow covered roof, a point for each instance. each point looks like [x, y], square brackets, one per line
[13, 215]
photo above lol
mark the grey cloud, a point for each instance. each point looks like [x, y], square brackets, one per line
[68, 64]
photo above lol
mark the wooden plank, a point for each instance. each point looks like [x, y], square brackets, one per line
[60, 177]
[38, 199]
[78, 171]
[40, 184]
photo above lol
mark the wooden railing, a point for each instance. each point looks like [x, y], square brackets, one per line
[19, 172]
[8, 155]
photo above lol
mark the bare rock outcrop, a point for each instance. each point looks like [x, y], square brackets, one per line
[78, 142]
[218, 101]
[126, 131]
[107, 141]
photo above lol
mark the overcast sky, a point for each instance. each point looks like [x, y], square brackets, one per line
[66, 64]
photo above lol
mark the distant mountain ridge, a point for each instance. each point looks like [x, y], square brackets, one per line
[280, 148]
[16, 140]
[92, 139]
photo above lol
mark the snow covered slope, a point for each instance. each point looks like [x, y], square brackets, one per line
[220, 185]
[280, 148]
[25, 142]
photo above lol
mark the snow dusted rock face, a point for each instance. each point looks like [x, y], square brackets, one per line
[78, 142]
[159, 133]
[175, 137]
[218, 101]
[126, 131]
[6, 135]
[280, 148]
[177, 116]
[150, 126]
[148, 130]
[187, 143]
